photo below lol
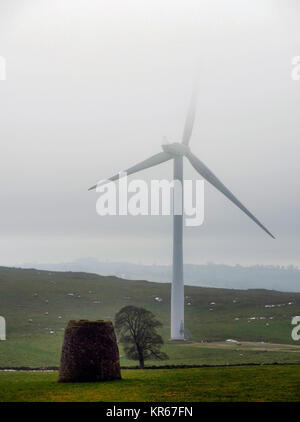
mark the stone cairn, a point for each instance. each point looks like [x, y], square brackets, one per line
[89, 353]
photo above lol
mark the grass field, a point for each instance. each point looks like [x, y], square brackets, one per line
[38, 304]
[272, 383]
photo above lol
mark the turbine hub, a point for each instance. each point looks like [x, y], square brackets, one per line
[176, 149]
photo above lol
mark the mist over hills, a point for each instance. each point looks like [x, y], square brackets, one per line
[209, 275]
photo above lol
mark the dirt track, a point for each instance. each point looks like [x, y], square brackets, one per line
[247, 345]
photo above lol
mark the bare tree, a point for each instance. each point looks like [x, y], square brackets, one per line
[136, 329]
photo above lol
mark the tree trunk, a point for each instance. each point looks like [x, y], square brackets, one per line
[140, 354]
[141, 362]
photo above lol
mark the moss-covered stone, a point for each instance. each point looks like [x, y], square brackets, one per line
[90, 352]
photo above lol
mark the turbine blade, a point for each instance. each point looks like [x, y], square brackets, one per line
[211, 178]
[149, 162]
[190, 118]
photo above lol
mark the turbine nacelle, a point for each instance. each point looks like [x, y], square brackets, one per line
[176, 149]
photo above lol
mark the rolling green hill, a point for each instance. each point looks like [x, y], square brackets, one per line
[38, 304]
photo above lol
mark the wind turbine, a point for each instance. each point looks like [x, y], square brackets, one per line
[176, 151]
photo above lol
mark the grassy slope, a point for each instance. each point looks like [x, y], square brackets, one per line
[204, 384]
[29, 294]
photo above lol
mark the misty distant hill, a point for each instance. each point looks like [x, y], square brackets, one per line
[210, 275]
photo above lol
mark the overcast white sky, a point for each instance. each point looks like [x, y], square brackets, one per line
[93, 86]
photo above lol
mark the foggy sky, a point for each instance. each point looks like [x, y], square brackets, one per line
[91, 89]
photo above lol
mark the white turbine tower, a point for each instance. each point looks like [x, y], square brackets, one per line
[176, 151]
